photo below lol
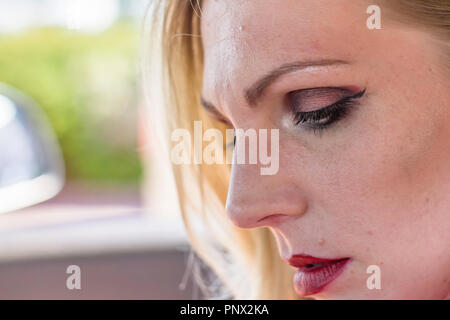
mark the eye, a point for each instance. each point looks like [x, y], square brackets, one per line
[322, 117]
[232, 144]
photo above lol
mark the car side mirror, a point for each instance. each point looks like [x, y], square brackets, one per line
[31, 162]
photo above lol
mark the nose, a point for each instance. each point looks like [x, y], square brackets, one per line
[256, 200]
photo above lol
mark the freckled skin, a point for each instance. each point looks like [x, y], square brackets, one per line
[376, 185]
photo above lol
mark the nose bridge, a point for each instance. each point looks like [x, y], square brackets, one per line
[254, 200]
[262, 191]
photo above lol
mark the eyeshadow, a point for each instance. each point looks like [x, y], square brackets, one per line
[312, 99]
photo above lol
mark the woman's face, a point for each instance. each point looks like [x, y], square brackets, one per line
[366, 179]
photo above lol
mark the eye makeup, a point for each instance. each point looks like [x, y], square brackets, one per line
[319, 108]
[232, 144]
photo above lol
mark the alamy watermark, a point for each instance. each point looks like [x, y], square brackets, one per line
[374, 20]
[259, 149]
[73, 281]
[374, 280]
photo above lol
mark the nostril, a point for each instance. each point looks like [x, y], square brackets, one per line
[272, 218]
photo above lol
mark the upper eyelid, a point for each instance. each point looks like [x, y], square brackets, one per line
[329, 109]
[219, 118]
[330, 106]
[213, 112]
[348, 97]
[317, 110]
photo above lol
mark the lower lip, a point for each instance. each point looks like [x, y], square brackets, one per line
[309, 281]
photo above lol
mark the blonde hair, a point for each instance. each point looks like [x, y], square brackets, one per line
[247, 262]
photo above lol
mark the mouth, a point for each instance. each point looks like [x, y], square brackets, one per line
[314, 274]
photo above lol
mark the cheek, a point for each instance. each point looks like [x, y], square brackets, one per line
[383, 174]
[388, 165]
[397, 144]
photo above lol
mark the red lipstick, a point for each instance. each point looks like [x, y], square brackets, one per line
[313, 274]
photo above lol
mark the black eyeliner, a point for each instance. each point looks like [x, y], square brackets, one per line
[332, 113]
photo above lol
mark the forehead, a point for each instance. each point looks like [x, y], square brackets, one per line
[243, 39]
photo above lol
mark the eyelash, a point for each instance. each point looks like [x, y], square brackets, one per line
[330, 114]
[231, 144]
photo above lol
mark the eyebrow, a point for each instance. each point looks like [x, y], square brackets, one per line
[254, 93]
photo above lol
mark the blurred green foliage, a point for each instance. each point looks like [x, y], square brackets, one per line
[87, 86]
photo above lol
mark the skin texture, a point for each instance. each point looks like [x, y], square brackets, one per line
[375, 186]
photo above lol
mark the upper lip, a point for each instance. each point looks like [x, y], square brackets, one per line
[300, 260]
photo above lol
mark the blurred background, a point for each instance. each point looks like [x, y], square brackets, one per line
[81, 179]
